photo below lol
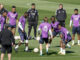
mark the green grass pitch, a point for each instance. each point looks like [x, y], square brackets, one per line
[45, 8]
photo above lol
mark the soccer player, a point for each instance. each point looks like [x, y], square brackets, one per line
[44, 27]
[75, 18]
[2, 20]
[54, 26]
[66, 38]
[21, 30]
[12, 16]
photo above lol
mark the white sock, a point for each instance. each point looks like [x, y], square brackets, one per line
[46, 49]
[49, 45]
[17, 46]
[78, 41]
[64, 51]
[61, 49]
[68, 45]
[26, 48]
[40, 52]
[72, 41]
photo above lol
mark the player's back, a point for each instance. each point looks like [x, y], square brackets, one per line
[45, 26]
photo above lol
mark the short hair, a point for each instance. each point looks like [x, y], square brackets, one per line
[76, 9]
[33, 4]
[13, 6]
[52, 17]
[45, 18]
[4, 12]
[59, 24]
[60, 4]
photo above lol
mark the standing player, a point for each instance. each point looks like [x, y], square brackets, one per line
[32, 20]
[12, 19]
[66, 38]
[75, 18]
[54, 26]
[21, 30]
[2, 20]
[44, 27]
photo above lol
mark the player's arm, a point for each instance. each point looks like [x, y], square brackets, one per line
[17, 19]
[20, 26]
[50, 32]
[71, 22]
[12, 39]
[38, 38]
[39, 29]
[7, 19]
[66, 36]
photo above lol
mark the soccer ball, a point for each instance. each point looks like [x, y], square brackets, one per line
[38, 38]
[36, 50]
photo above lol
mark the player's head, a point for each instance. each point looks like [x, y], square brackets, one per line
[60, 6]
[4, 14]
[33, 5]
[25, 14]
[13, 9]
[1, 6]
[52, 18]
[59, 26]
[75, 11]
[45, 19]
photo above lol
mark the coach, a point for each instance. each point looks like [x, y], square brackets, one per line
[6, 41]
[61, 15]
[32, 20]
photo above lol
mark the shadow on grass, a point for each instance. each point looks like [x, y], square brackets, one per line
[52, 53]
[68, 52]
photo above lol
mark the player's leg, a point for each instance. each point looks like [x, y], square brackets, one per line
[9, 51]
[69, 40]
[50, 40]
[73, 35]
[21, 41]
[29, 30]
[41, 41]
[9, 56]
[78, 39]
[3, 50]
[41, 50]
[26, 42]
[13, 31]
[78, 34]
[63, 23]
[63, 47]
[2, 56]
[73, 38]
[47, 45]
[35, 32]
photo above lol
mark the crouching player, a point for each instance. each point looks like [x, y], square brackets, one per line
[44, 27]
[66, 38]
[54, 28]
[21, 30]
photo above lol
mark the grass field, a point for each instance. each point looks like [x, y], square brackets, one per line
[45, 8]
